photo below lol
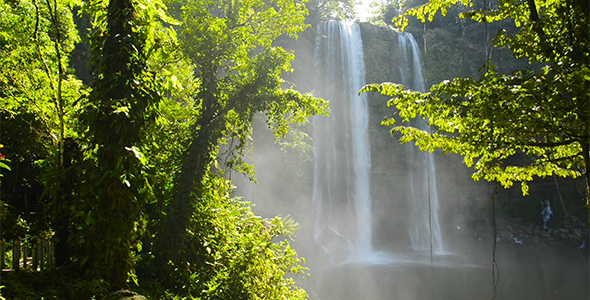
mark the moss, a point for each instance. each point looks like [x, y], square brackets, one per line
[382, 57]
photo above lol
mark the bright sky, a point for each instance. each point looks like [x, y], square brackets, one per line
[362, 9]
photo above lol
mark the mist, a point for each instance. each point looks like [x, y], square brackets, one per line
[428, 230]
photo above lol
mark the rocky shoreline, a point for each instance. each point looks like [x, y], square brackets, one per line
[573, 233]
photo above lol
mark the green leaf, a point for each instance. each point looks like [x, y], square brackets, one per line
[138, 154]
[5, 166]
[89, 220]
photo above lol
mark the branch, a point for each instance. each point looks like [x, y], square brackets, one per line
[549, 144]
[562, 159]
[59, 103]
[36, 37]
[538, 27]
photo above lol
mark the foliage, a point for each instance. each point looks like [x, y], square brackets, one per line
[511, 128]
[234, 254]
[35, 37]
[61, 283]
[131, 166]
[384, 11]
[38, 97]
[247, 263]
[127, 37]
[325, 10]
[237, 78]
[3, 161]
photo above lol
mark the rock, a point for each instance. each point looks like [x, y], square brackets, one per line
[564, 230]
[124, 295]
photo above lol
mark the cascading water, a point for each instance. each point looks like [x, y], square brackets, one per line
[341, 191]
[412, 76]
[343, 230]
[425, 230]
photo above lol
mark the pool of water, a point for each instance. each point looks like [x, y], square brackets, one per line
[523, 272]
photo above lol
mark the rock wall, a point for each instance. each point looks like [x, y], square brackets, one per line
[285, 176]
[466, 204]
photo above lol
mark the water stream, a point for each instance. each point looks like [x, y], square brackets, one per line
[425, 229]
[341, 189]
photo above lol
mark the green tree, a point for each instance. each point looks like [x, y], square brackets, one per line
[138, 157]
[38, 95]
[127, 37]
[324, 10]
[384, 11]
[531, 123]
[237, 73]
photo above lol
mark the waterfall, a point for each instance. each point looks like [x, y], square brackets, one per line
[412, 64]
[341, 190]
[342, 160]
[425, 230]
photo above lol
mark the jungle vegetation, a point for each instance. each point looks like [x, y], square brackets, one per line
[120, 119]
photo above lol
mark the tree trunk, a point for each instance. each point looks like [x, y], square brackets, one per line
[586, 154]
[117, 200]
[195, 164]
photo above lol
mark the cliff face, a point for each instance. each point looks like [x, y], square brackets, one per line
[390, 163]
[381, 54]
[459, 51]
[464, 204]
